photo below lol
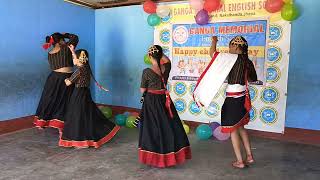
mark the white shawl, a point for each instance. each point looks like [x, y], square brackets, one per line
[213, 77]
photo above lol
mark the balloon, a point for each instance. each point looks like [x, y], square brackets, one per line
[186, 128]
[202, 17]
[107, 111]
[163, 11]
[139, 124]
[130, 122]
[196, 4]
[146, 59]
[289, 12]
[120, 119]
[127, 114]
[288, 1]
[212, 5]
[273, 6]
[135, 114]
[220, 135]
[214, 125]
[154, 20]
[149, 7]
[203, 132]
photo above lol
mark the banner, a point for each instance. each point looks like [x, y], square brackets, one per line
[187, 45]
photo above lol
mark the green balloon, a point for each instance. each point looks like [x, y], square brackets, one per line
[147, 59]
[154, 20]
[289, 12]
[107, 111]
[130, 122]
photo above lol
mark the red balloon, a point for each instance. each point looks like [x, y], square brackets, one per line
[273, 6]
[212, 5]
[134, 114]
[149, 7]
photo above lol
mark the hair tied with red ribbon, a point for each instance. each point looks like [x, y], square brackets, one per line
[49, 44]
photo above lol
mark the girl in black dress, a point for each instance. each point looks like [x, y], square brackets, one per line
[162, 139]
[85, 125]
[55, 95]
[236, 107]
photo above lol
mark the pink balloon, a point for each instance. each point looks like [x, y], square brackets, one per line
[273, 6]
[220, 135]
[196, 4]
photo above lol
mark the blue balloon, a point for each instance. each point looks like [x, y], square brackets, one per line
[127, 114]
[203, 132]
[121, 119]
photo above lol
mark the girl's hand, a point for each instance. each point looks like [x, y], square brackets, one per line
[214, 39]
[71, 47]
[68, 82]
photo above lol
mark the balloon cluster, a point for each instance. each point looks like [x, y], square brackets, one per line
[205, 131]
[156, 12]
[127, 119]
[203, 8]
[289, 11]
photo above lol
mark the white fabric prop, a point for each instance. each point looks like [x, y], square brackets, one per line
[213, 77]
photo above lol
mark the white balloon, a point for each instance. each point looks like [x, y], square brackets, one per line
[163, 11]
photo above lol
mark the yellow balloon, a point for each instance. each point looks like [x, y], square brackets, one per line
[186, 128]
[288, 1]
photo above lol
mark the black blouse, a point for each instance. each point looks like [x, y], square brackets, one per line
[237, 73]
[82, 76]
[152, 80]
[63, 58]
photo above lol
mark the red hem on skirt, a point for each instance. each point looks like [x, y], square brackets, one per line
[164, 160]
[88, 143]
[244, 121]
[53, 123]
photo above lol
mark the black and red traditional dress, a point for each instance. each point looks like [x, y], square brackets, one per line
[56, 95]
[238, 71]
[162, 138]
[85, 125]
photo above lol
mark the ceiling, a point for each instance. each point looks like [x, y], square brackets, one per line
[98, 4]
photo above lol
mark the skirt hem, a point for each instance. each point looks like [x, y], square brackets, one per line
[89, 143]
[244, 121]
[164, 160]
[53, 123]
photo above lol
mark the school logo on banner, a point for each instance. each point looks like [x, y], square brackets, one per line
[268, 115]
[213, 110]
[275, 32]
[273, 74]
[166, 50]
[253, 114]
[180, 105]
[169, 87]
[253, 91]
[167, 18]
[191, 88]
[165, 36]
[180, 35]
[274, 54]
[180, 88]
[270, 95]
[194, 108]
